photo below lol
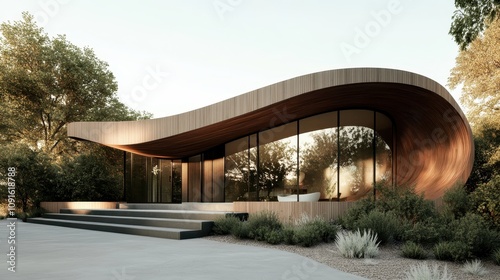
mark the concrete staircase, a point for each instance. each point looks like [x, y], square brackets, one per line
[173, 221]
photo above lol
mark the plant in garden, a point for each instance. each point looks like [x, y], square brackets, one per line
[457, 201]
[356, 244]
[496, 257]
[413, 250]
[311, 231]
[451, 251]
[384, 224]
[424, 272]
[474, 267]
[261, 223]
[225, 225]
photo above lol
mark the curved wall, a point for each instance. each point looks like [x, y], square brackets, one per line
[433, 144]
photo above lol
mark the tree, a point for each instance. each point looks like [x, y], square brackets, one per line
[35, 173]
[45, 83]
[471, 18]
[478, 70]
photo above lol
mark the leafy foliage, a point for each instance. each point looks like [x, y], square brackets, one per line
[476, 70]
[384, 224]
[46, 83]
[34, 174]
[486, 200]
[314, 231]
[471, 18]
[261, 223]
[457, 201]
[413, 250]
[225, 225]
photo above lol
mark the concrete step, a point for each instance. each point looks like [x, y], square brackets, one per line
[195, 206]
[164, 214]
[170, 233]
[138, 221]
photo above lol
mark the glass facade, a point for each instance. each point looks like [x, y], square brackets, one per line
[340, 154]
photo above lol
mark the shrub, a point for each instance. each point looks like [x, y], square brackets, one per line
[407, 203]
[428, 232]
[486, 199]
[474, 267]
[356, 244]
[310, 232]
[424, 272]
[288, 233]
[274, 237]
[496, 257]
[350, 218]
[385, 225]
[457, 201]
[413, 251]
[451, 251]
[225, 225]
[473, 231]
[241, 230]
[261, 223]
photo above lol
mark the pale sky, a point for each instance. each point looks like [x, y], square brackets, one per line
[170, 57]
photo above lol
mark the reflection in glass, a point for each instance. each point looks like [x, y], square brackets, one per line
[318, 155]
[277, 158]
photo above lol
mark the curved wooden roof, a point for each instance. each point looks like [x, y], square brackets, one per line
[434, 146]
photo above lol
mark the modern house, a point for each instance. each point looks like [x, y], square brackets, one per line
[336, 132]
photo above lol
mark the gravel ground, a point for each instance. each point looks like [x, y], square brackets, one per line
[387, 265]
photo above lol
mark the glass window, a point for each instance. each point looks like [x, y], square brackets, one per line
[318, 155]
[383, 170]
[356, 170]
[277, 158]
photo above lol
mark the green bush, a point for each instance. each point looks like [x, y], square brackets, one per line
[225, 225]
[451, 251]
[474, 232]
[428, 232]
[496, 256]
[288, 233]
[351, 217]
[241, 230]
[486, 199]
[385, 225]
[406, 203]
[261, 223]
[457, 201]
[274, 237]
[413, 250]
[310, 232]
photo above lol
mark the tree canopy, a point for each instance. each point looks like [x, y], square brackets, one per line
[46, 83]
[471, 18]
[477, 69]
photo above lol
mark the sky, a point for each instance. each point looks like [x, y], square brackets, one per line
[169, 57]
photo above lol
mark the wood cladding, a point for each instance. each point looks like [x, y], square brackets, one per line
[433, 143]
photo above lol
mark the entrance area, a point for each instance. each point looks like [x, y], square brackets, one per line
[152, 180]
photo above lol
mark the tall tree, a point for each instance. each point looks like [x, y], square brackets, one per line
[471, 18]
[46, 83]
[477, 69]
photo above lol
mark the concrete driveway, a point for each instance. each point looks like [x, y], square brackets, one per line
[58, 253]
